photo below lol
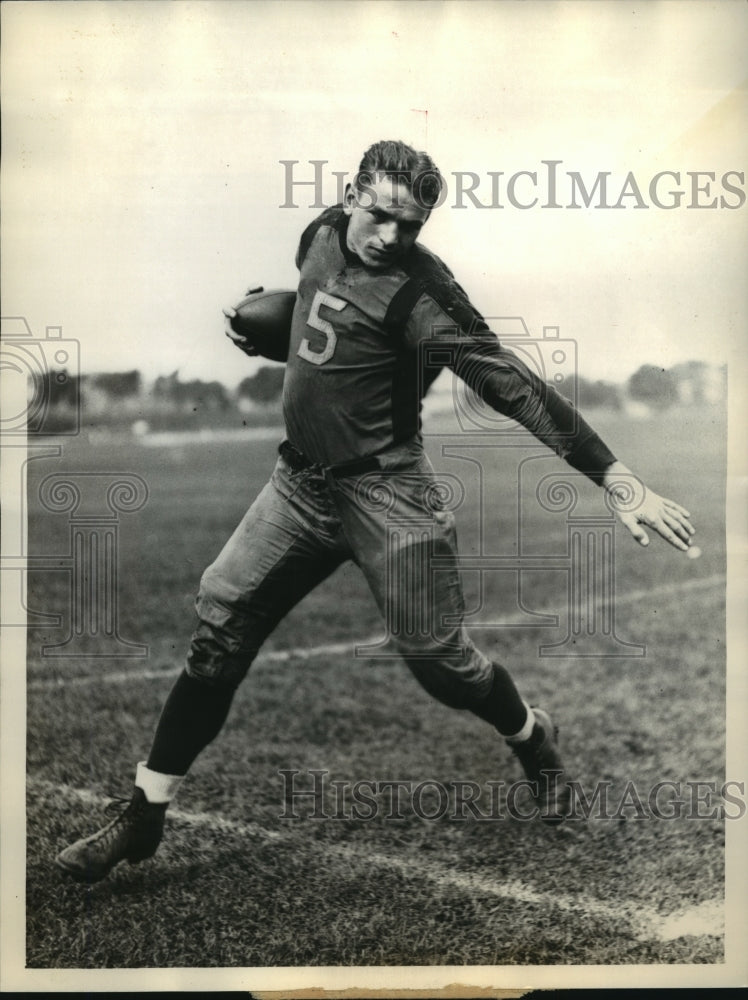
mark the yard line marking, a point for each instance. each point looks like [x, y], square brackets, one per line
[704, 919]
[347, 645]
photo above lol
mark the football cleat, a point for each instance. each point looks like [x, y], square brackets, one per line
[542, 765]
[133, 836]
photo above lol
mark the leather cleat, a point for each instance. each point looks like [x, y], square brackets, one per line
[541, 762]
[132, 836]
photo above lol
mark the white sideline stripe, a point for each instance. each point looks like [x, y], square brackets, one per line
[646, 924]
[347, 645]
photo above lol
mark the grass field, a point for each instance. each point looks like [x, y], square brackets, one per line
[234, 884]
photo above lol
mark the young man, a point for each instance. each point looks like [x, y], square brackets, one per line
[369, 300]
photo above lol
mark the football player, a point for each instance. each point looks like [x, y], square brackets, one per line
[370, 299]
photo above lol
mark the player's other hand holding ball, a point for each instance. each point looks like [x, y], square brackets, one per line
[229, 313]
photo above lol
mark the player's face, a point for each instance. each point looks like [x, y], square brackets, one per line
[385, 221]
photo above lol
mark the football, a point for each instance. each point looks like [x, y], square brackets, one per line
[264, 318]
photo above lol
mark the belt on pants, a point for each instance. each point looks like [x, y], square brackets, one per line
[298, 461]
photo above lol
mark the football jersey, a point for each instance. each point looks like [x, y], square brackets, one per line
[366, 344]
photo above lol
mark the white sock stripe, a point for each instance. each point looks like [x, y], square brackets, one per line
[158, 788]
[526, 731]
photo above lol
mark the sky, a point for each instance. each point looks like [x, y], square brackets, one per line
[143, 185]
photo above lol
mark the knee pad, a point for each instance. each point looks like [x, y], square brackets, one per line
[217, 654]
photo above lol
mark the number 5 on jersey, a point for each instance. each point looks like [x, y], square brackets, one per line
[324, 326]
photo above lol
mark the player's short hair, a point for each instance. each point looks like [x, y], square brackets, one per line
[412, 168]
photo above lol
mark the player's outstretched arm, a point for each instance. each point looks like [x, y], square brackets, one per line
[637, 506]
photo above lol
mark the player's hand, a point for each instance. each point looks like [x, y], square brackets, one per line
[236, 338]
[229, 312]
[638, 507]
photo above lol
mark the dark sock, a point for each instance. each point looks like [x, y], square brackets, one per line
[191, 718]
[503, 707]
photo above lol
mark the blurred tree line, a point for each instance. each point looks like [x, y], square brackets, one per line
[117, 397]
